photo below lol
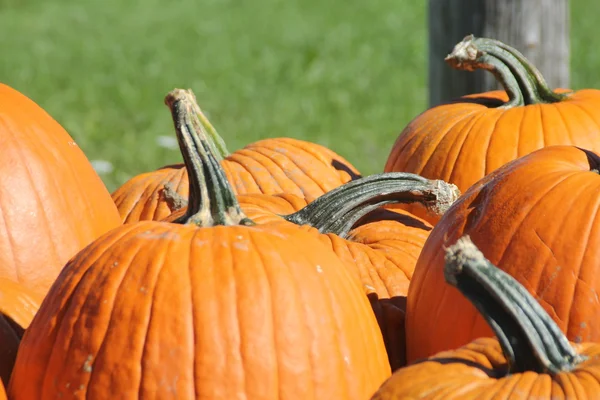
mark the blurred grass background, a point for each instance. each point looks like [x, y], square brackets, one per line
[345, 73]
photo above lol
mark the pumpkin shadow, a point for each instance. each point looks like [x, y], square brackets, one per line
[340, 166]
[382, 214]
[390, 314]
[489, 102]
[491, 373]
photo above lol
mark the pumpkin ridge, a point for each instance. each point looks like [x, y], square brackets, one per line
[25, 165]
[275, 333]
[151, 314]
[17, 276]
[57, 293]
[99, 349]
[291, 149]
[580, 264]
[466, 134]
[233, 169]
[418, 139]
[490, 136]
[253, 157]
[449, 136]
[305, 171]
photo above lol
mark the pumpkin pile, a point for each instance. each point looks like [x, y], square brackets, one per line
[279, 272]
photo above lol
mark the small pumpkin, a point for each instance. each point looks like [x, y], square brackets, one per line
[462, 141]
[212, 306]
[269, 166]
[536, 218]
[530, 358]
[380, 250]
[52, 202]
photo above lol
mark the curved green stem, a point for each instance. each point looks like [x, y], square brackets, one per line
[530, 339]
[211, 199]
[338, 210]
[522, 81]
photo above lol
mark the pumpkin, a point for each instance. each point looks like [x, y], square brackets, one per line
[462, 141]
[18, 306]
[535, 218]
[213, 306]
[379, 248]
[530, 358]
[269, 166]
[52, 202]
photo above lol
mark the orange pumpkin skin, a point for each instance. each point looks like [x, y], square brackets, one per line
[468, 373]
[381, 253]
[269, 166]
[161, 310]
[52, 202]
[462, 141]
[535, 218]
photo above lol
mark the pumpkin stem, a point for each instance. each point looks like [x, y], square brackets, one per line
[522, 81]
[529, 338]
[338, 210]
[211, 199]
[216, 141]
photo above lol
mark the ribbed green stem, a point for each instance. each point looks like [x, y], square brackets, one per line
[211, 199]
[522, 81]
[530, 339]
[338, 210]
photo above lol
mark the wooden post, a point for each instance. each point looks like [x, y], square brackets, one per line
[537, 28]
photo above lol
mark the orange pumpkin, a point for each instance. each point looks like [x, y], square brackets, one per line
[530, 358]
[535, 218]
[269, 166]
[52, 202]
[464, 140]
[381, 251]
[213, 306]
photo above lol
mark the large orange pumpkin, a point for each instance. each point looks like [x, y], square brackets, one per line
[464, 140]
[269, 166]
[210, 307]
[52, 202]
[381, 251]
[536, 218]
[529, 359]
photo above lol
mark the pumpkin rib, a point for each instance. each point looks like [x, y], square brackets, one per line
[580, 266]
[152, 313]
[275, 336]
[466, 135]
[59, 353]
[276, 173]
[67, 306]
[17, 276]
[294, 161]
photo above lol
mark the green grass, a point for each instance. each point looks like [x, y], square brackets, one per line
[345, 73]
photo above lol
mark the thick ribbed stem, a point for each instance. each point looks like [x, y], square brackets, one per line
[522, 81]
[338, 210]
[211, 199]
[530, 339]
